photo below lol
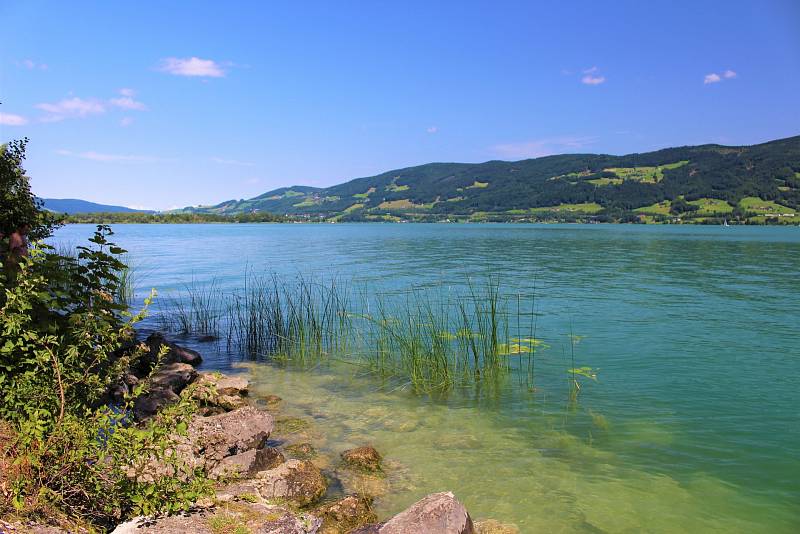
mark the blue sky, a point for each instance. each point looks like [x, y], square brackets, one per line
[167, 104]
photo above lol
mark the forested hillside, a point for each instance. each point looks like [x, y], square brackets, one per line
[759, 183]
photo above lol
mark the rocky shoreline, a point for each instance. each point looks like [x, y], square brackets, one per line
[268, 481]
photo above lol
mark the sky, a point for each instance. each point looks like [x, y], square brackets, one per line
[161, 105]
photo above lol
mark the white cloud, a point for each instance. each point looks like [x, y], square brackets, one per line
[589, 77]
[193, 66]
[126, 121]
[105, 158]
[9, 119]
[716, 78]
[70, 108]
[126, 100]
[432, 129]
[542, 147]
[223, 161]
[31, 64]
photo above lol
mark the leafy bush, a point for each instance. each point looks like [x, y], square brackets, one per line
[17, 203]
[66, 451]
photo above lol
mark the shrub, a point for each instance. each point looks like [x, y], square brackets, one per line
[66, 452]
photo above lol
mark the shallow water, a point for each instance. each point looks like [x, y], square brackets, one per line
[692, 425]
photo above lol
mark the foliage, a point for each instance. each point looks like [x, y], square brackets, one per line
[65, 449]
[17, 204]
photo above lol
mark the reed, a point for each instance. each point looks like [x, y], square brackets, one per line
[427, 338]
[198, 310]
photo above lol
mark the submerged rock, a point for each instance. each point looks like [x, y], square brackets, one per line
[345, 514]
[297, 481]
[365, 458]
[492, 526]
[438, 513]
[302, 451]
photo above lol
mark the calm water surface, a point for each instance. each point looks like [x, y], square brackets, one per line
[692, 425]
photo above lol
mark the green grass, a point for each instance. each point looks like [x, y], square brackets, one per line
[644, 174]
[711, 206]
[366, 194]
[606, 181]
[757, 206]
[478, 185]
[660, 208]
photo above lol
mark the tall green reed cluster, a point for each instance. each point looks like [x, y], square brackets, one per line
[300, 321]
[430, 338]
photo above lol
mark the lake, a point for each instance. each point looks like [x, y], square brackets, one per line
[692, 424]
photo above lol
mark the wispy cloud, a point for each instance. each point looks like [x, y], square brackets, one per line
[223, 161]
[31, 64]
[71, 108]
[126, 100]
[106, 158]
[432, 129]
[716, 78]
[126, 121]
[542, 147]
[192, 66]
[592, 77]
[10, 119]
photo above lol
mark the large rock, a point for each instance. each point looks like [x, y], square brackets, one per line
[218, 393]
[152, 402]
[247, 464]
[345, 514]
[164, 386]
[364, 458]
[438, 513]
[297, 481]
[174, 354]
[217, 437]
[174, 376]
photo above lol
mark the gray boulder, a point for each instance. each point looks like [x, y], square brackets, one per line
[217, 437]
[438, 513]
[248, 463]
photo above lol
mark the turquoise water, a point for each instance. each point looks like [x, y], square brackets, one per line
[692, 425]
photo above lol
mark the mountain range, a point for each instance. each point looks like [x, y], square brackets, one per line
[756, 182]
[72, 206]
